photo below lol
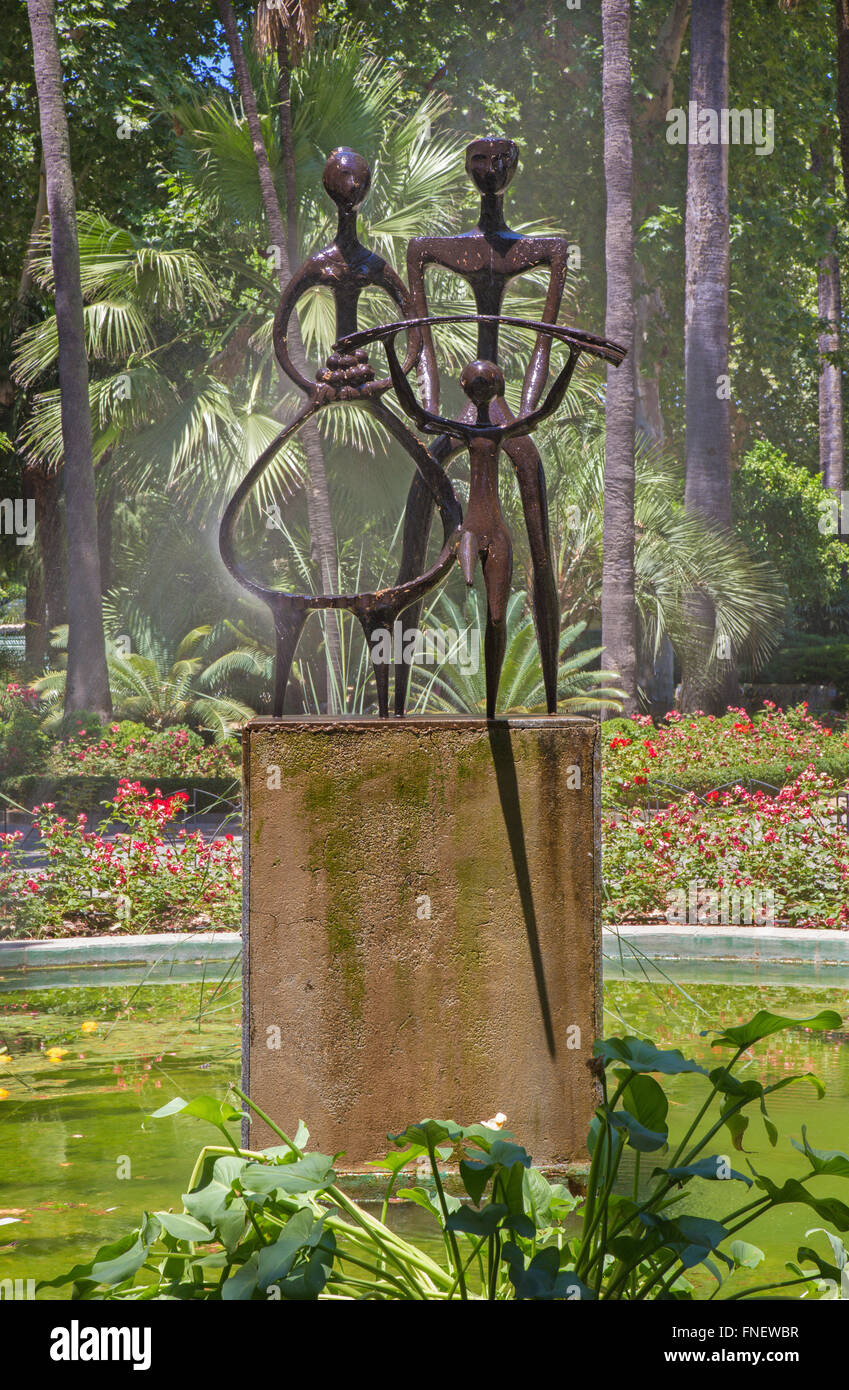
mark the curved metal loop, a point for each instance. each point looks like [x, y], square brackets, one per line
[576, 338]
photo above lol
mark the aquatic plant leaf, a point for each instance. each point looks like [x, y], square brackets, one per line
[639, 1055]
[183, 1227]
[764, 1024]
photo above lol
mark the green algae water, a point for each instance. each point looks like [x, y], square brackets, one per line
[81, 1159]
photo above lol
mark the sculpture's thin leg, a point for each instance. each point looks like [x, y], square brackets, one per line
[290, 614]
[497, 565]
[494, 647]
[418, 517]
[525, 458]
[371, 622]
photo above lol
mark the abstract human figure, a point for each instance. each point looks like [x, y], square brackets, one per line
[489, 257]
[483, 533]
[346, 268]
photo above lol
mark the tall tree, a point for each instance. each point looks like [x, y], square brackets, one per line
[87, 683]
[285, 28]
[618, 612]
[830, 387]
[841, 15]
[318, 496]
[709, 667]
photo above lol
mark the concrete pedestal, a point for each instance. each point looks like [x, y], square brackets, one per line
[422, 927]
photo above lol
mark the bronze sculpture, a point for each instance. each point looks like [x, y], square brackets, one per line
[488, 257]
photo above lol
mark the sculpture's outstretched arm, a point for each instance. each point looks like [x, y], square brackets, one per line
[427, 421]
[526, 423]
[418, 257]
[537, 372]
[306, 278]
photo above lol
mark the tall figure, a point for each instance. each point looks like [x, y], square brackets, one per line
[489, 257]
[346, 268]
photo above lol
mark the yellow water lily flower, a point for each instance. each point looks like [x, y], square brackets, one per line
[4, 1058]
[90, 1026]
[3, 1094]
[56, 1053]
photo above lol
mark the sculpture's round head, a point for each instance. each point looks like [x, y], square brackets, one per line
[491, 162]
[482, 381]
[347, 178]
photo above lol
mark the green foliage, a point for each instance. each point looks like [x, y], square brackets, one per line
[778, 512]
[580, 686]
[812, 659]
[23, 743]
[166, 685]
[275, 1223]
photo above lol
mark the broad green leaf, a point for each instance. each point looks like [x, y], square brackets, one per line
[312, 1173]
[639, 1055]
[183, 1227]
[744, 1255]
[395, 1162]
[506, 1154]
[478, 1223]
[104, 1256]
[543, 1279]
[422, 1198]
[308, 1279]
[211, 1206]
[241, 1286]
[274, 1262]
[216, 1112]
[638, 1137]
[829, 1208]
[546, 1203]
[691, 1237]
[475, 1174]
[646, 1100]
[826, 1161]
[764, 1024]
[712, 1168]
[428, 1133]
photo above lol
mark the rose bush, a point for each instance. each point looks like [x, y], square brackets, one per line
[792, 846]
[700, 752]
[132, 750]
[129, 874]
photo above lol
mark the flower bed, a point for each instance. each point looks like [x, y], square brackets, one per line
[750, 856]
[133, 750]
[701, 752]
[141, 878]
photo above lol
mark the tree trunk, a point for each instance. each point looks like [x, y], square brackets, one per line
[287, 147]
[649, 119]
[318, 497]
[87, 684]
[656, 680]
[841, 12]
[830, 387]
[618, 613]
[710, 673]
[25, 282]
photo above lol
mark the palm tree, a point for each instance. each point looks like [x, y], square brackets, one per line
[581, 688]
[87, 683]
[829, 311]
[166, 684]
[708, 428]
[676, 552]
[285, 28]
[617, 605]
[318, 497]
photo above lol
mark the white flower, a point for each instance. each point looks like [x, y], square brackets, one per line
[497, 1122]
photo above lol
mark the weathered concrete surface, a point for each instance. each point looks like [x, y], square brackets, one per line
[422, 927]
